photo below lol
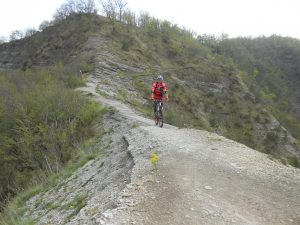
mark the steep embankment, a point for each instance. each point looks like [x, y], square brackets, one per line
[203, 178]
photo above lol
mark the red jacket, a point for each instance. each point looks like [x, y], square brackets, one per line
[159, 89]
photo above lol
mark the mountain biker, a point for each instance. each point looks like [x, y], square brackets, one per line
[159, 91]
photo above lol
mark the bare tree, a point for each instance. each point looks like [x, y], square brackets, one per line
[121, 5]
[74, 6]
[143, 19]
[15, 35]
[2, 40]
[109, 9]
[64, 11]
[85, 6]
[30, 31]
[44, 25]
[129, 17]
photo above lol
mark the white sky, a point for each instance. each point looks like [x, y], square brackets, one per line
[234, 17]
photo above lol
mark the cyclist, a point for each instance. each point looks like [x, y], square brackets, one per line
[159, 91]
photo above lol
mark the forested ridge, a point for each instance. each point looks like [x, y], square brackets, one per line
[272, 73]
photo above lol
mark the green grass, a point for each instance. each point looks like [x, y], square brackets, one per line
[294, 161]
[51, 206]
[103, 93]
[76, 205]
[14, 215]
[27, 194]
[92, 148]
[135, 125]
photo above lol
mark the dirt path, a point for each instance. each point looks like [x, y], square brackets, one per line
[203, 178]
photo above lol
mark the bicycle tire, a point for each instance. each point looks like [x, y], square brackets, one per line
[156, 119]
[161, 120]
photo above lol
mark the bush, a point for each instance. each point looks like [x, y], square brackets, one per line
[89, 113]
[41, 123]
[127, 42]
[294, 161]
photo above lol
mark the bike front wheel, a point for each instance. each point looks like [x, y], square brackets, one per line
[160, 120]
[156, 120]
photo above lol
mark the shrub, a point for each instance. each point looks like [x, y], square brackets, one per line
[294, 161]
[44, 120]
[90, 112]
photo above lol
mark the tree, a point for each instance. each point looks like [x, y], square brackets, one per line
[120, 4]
[30, 31]
[109, 9]
[113, 9]
[64, 11]
[74, 6]
[85, 6]
[129, 17]
[44, 25]
[16, 35]
[144, 19]
[2, 40]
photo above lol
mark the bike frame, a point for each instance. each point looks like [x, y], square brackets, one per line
[159, 112]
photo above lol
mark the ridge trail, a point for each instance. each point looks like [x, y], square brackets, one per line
[202, 178]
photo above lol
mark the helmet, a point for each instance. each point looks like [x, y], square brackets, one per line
[160, 77]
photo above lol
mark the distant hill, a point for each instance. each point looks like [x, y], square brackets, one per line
[272, 74]
[58, 42]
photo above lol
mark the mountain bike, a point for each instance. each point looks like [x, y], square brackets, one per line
[158, 116]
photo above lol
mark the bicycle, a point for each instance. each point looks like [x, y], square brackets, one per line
[158, 116]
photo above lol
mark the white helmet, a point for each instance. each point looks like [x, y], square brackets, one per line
[160, 77]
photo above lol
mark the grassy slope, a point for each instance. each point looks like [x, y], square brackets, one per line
[272, 73]
[59, 43]
[50, 64]
[207, 90]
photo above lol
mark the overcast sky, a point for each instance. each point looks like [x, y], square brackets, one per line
[234, 17]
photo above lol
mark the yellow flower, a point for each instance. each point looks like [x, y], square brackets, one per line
[154, 159]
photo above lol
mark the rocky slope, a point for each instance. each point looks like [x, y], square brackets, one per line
[202, 178]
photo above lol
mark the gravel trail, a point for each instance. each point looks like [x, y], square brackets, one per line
[202, 178]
